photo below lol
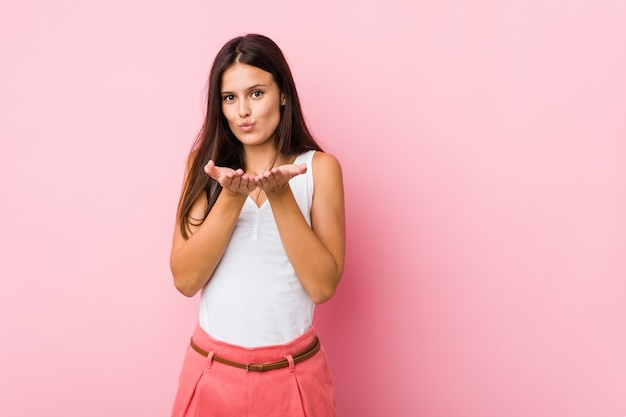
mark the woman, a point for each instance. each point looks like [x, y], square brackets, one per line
[260, 232]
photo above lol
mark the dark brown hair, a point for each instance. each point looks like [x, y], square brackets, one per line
[216, 141]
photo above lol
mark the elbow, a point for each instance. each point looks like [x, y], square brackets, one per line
[325, 293]
[185, 289]
[183, 283]
[322, 296]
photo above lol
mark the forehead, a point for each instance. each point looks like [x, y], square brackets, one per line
[242, 76]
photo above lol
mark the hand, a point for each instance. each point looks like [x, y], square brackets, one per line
[233, 181]
[277, 179]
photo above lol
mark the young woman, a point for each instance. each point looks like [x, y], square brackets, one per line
[260, 232]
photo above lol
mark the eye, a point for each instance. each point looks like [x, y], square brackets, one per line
[228, 98]
[257, 94]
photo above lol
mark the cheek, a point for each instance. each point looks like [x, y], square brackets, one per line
[227, 111]
[272, 112]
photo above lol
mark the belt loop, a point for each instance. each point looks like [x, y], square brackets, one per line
[292, 365]
[209, 359]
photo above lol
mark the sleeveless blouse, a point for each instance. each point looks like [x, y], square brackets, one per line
[254, 297]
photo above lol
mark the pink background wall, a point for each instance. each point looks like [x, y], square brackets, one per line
[483, 144]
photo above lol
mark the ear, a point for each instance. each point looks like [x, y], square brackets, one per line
[282, 99]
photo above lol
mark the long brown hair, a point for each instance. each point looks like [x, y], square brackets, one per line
[216, 141]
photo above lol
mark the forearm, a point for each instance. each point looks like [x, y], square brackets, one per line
[316, 267]
[193, 261]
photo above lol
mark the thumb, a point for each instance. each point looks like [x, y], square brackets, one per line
[211, 169]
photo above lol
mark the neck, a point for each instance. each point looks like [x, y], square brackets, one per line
[260, 160]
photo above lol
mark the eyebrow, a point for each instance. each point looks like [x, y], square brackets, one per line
[247, 89]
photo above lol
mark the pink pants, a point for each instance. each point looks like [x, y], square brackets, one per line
[212, 389]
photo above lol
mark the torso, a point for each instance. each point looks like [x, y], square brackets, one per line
[254, 297]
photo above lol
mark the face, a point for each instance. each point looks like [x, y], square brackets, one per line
[251, 104]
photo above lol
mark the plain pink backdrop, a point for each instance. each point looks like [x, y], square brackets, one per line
[483, 147]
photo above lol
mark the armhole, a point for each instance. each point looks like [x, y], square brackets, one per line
[311, 177]
[307, 158]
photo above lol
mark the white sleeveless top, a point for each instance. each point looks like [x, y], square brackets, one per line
[254, 297]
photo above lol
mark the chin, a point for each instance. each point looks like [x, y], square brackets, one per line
[251, 141]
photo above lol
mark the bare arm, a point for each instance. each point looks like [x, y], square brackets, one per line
[194, 260]
[317, 253]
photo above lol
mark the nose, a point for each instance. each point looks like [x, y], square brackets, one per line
[243, 109]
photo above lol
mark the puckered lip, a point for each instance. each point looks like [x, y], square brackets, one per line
[246, 127]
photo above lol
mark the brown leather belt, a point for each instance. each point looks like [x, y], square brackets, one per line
[301, 356]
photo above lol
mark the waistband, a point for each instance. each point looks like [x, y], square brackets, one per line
[256, 355]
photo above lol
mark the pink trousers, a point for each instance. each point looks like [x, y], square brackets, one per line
[211, 389]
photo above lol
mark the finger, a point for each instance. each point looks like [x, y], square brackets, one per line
[240, 183]
[259, 177]
[248, 182]
[293, 170]
[268, 179]
[211, 169]
[259, 181]
[271, 175]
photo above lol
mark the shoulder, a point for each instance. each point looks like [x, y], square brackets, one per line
[325, 162]
[326, 171]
